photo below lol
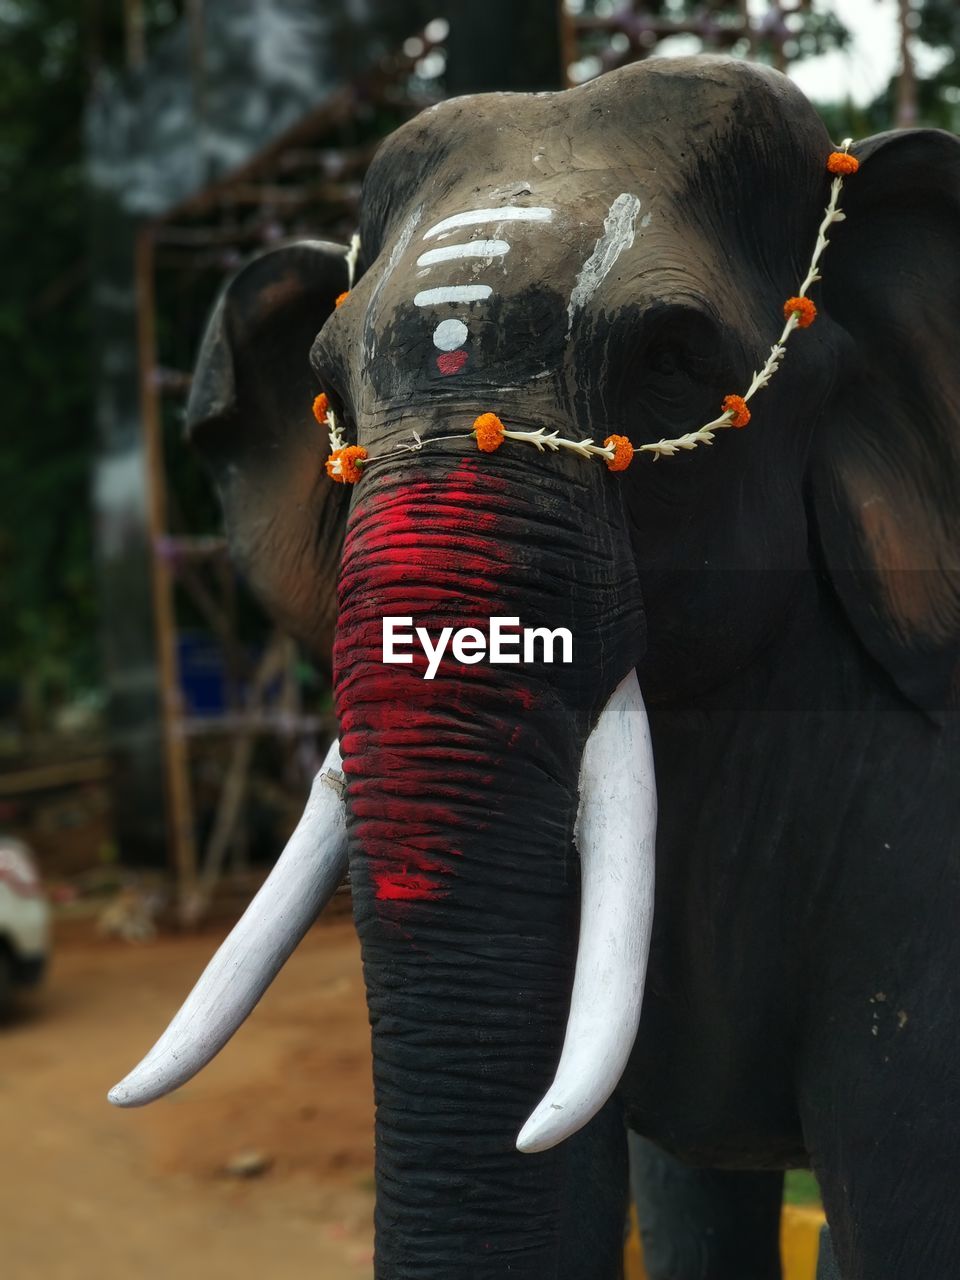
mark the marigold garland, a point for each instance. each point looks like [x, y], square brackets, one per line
[738, 409]
[617, 451]
[803, 309]
[799, 312]
[341, 298]
[622, 453]
[321, 407]
[488, 430]
[842, 163]
[490, 433]
[343, 465]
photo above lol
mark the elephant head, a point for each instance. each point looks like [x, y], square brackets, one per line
[606, 261]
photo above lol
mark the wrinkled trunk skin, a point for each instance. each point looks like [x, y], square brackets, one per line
[462, 796]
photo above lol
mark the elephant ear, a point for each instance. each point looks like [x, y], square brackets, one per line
[886, 462]
[250, 416]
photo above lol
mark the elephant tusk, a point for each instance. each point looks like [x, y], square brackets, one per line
[616, 835]
[301, 884]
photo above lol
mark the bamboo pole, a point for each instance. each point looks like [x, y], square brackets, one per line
[180, 827]
[905, 115]
[135, 34]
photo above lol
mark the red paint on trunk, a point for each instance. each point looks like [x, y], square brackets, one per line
[407, 886]
[432, 550]
[451, 362]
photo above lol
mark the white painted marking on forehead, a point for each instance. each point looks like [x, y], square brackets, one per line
[396, 253]
[449, 335]
[507, 213]
[471, 249]
[618, 233]
[453, 293]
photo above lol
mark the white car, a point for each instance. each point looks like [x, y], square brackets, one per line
[24, 921]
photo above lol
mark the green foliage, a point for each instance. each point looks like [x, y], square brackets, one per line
[49, 51]
[47, 607]
[938, 95]
[800, 1187]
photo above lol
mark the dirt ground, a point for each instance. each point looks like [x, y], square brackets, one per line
[88, 1192]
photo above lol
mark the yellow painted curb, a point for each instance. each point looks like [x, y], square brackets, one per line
[799, 1241]
[633, 1268]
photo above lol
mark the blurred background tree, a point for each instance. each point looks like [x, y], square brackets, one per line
[50, 51]
[779, 32]
[925, 91]
[48, 635]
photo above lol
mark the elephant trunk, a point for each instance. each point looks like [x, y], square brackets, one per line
[471, 795]
[462, 800]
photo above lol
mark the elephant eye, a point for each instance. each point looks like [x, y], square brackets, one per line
[665, 358]
[661, 363]
[679, 356]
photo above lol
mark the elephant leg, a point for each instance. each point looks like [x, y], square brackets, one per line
[888, 1179]
[704, 1224]
[594, 1199]
[827, 1259]
[880, 1078]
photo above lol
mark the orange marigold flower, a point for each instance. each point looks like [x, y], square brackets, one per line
[488, 430]
[738, 407]
[343, 465]
[341, 298]
[350, 459]
[622, 453]
[334, 468]
[320, 407]
[804, 309]
[842, 163]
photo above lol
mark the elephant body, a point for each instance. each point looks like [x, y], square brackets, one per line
[801, 872]
[611, 261]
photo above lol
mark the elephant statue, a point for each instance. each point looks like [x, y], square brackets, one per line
[526, 364]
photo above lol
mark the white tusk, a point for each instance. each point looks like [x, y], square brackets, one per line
[301, 884]
[616, 834]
